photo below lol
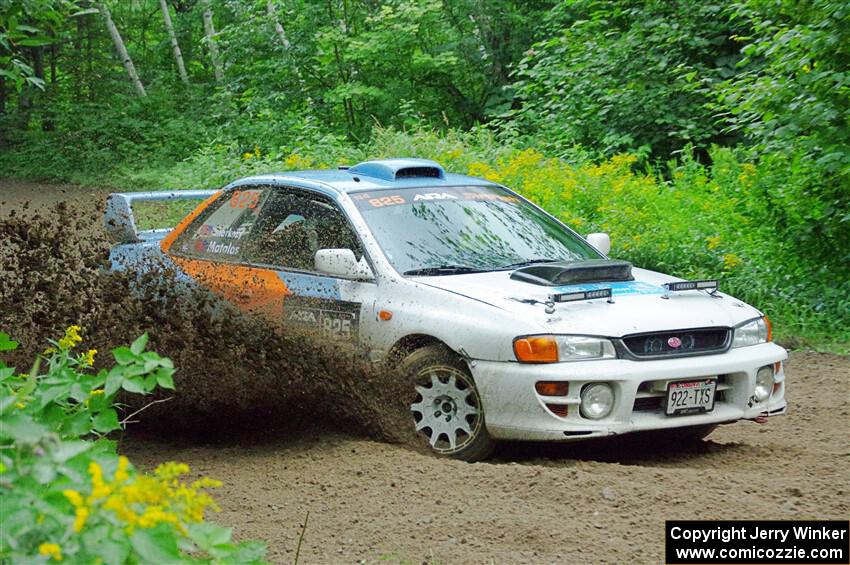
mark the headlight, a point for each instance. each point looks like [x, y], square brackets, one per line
[752, 333]
[764, 383]
[554, 348]
[597, 401]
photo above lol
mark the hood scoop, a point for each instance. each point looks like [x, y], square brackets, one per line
[565, 273]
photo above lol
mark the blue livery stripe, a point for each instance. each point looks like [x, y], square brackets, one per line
[302, 284]
[617, 288]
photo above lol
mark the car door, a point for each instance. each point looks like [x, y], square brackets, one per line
[292, 226]
[210, 249]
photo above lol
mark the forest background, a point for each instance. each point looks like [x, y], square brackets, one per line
[711, 139]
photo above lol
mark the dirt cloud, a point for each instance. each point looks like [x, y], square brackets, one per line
[234, 370]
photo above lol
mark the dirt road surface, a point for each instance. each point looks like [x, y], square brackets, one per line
[593, 502]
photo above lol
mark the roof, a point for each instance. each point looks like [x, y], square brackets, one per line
[374, 175]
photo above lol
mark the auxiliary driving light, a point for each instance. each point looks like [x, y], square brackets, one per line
[597, 401]
[764, 383]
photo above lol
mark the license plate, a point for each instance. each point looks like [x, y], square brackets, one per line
[689, 397]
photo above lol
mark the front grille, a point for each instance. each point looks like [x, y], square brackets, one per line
[651, 396]
[648, 404]
[676, 343]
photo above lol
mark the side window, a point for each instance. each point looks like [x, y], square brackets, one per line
[293, 226]
[220, 233]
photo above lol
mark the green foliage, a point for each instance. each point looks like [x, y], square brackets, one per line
[792, 101]
[624, 75]
[67, 494]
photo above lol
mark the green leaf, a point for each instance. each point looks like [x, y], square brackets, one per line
[112, 551]
[135, 385]
[138, 346]
[44, 472]
[7, 344]
[85, 12]
[69, 449]
[157, 545]
[124, 356]
[21, 428]
[78, 425]
[208, 535]
[247, 552]
[114, 380]
[106, 421]
[6, 402]
[164, 378]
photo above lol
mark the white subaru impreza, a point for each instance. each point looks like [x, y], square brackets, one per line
[511, 325]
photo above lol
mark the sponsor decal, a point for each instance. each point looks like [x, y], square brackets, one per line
[674, 342]
[375, 199]
[434, 196]
[223, 232]
[245, 199]
[332, 319]
[216, 247]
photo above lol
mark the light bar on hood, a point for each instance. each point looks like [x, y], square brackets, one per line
[583, 295]
[691, 285]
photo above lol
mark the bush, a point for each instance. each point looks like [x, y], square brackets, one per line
[68, 495]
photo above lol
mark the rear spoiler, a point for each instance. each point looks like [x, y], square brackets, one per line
[121, 224]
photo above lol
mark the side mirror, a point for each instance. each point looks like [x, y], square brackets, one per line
[600, 241]
[342, 263]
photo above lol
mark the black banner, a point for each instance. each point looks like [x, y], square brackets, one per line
[758, 542]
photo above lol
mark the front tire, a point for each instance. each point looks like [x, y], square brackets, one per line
[446, 409]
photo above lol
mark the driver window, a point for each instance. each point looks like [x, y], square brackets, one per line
[293, 226]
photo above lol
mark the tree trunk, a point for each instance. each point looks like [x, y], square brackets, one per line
[209, 30]
[122, 50]
[270, 8]
[2, 95]
[178, 56]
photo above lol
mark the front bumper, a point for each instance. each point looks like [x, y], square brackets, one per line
[514, 410]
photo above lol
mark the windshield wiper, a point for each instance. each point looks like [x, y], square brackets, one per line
[526, 263]
[443, 270]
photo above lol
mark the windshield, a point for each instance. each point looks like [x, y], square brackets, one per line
[452, 230]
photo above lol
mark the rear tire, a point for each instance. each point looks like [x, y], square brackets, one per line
[446, 408]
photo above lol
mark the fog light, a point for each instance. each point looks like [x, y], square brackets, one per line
[764, 383]
[597, 401]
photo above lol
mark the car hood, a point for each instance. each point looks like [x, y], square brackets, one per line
[641, 305]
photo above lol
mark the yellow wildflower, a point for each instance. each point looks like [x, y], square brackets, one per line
[100, 489]
[20, 405]
[97, 392]
[121, 473]
[154, 515]
[713, 242]
[73, 497]
[49, 351]
[730, 261]
[171, 470]
[71, 338]
[257, 151]
[88, 358]
[81, 515]
[247, 156]
[206, 482]
[51, 549]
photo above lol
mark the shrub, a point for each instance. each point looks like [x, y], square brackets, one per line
[66, 494]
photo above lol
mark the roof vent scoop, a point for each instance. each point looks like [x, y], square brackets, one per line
[398, 169]
[558, 274]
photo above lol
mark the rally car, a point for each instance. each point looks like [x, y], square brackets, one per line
[507, 323]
